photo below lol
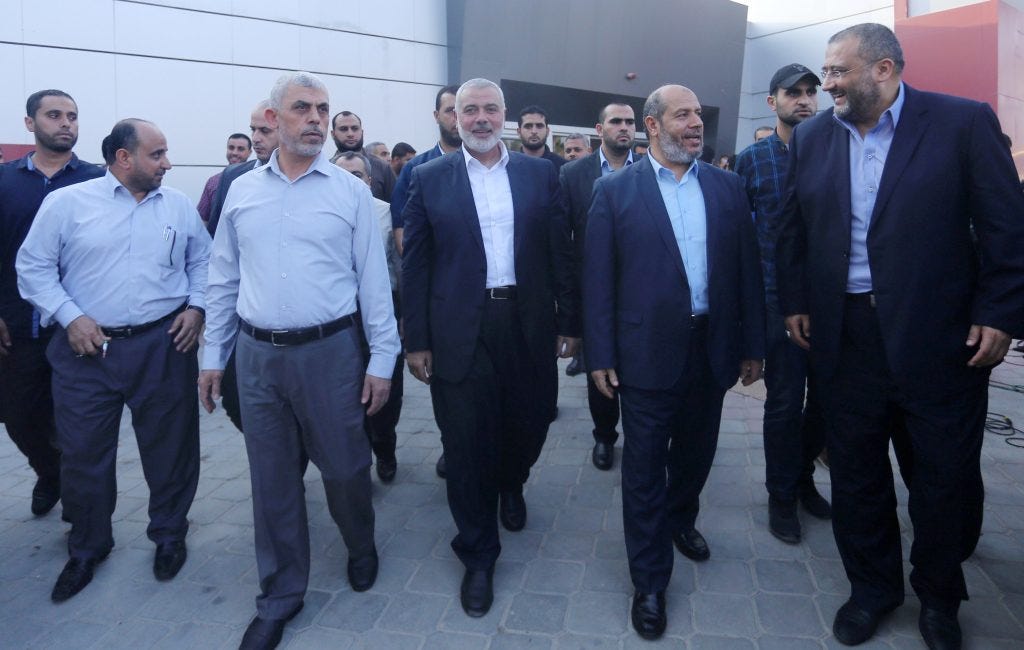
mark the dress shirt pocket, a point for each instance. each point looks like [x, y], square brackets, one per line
[172, 248]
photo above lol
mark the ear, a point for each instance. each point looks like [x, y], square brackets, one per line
[651, 126]
[123, 158]
[885, 69]
[599, 128]
[30, 124]
[270, 115]
[771, 102]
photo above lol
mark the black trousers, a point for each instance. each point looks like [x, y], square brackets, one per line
[26, 400]
[380, 426]
[493, 424]
[669, 444]
[158, 384]
[604, 412]
[939, 435]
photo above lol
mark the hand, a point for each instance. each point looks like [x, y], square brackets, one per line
[992, 345]
[5, 339]
[750, 371]
[375, 393]
[187, 326]
[421, 364]
[566, 346]
[85, 336]
[209, 388]
[606, 381]
[798, 329]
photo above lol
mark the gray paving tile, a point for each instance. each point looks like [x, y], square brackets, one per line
[511, 641]
[725, 577]
[790, 615]
[553, 576]
[413, 613]
[724, 614]
[353, 612]
[784, 576]
[595, 612]
[532, 612]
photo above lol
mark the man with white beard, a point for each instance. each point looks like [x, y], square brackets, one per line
[487, 258]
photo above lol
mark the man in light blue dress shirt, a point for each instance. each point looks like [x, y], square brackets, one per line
[119, 263]
[297, 253]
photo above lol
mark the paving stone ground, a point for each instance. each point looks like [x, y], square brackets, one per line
[562, 583]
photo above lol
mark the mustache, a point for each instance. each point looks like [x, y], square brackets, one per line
[316, 132]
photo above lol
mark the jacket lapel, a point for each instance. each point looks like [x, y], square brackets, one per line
[838, 167]
[651, 193]
[912, 125]
[709, 187]
[521, 190]
[464, 193]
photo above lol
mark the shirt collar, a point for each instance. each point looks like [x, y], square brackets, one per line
[894, 110]
[604, 161]
[320, 164]
[113, 185]
[658, 167]
[470, 160]
[31, 166]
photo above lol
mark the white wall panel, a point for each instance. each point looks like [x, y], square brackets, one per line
[11, 25]
[12, 109]
[84, 24]
[262, 43]
[175, 33]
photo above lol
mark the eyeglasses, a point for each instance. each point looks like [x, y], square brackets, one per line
[838, 73]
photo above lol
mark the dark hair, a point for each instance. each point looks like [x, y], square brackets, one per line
[124, 135]
[345, 114]
[241, 136]
[402, 149]
[447, 90]
[877, 42]
[604, 110]
[36, 99]
[533, 108]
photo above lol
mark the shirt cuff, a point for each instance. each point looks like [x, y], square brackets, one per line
[381, 366]
[215, 357]
[67, 313]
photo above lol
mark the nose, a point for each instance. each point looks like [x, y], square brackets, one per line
[828, 83]
[165, 164]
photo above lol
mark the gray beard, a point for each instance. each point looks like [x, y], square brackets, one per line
[676, 153]
[479, 145]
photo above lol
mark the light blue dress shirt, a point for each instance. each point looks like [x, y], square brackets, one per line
[606, 167]
[684, 202]
[94, 250]
[867, 162]
[293, 254]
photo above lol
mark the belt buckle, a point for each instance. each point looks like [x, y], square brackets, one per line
[126, 332]
[274, 342]
[871, 300]
[490, 293]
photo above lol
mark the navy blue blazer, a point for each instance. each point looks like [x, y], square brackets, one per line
[444, 268]
[636, 299]
[947, 169]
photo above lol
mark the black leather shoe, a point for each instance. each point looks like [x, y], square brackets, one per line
[441, 468]
[265, 633]
[692, 544]
[814, 503]
[45, 495]
[386, 469]
[170, 557]
[362, 572]
[477, 592]
[512, 507]
[574, 368]
[782, 520]
[603, 455]
[854, 625]
[648, 614]
[76, 575]
[940, 630]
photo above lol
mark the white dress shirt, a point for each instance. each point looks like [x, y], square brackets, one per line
[492, 195]
[94, 250]
[293, 254]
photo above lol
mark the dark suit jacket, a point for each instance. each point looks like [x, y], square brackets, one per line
[444, 268]
[382, 183]
[636, 299]
[577, 180]
[227, 177]
[947, 168]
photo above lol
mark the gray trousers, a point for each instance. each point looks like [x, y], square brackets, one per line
[318, 386]
[89, 393]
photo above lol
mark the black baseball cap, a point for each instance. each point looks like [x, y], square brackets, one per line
[788, 75]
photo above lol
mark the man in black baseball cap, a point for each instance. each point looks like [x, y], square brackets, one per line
[793, 430]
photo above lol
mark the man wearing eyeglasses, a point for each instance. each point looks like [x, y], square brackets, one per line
[880, 280]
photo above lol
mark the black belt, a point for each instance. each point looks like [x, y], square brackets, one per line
[282, 338]
[501, 293]
[133, 330]
[863, 299]
[698, 321]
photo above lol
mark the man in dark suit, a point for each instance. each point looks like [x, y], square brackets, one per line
[487, 258]
[673, 315]
[347, 131]
[533, 135]
[264, 141]
[908, 312]
[616, 125]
